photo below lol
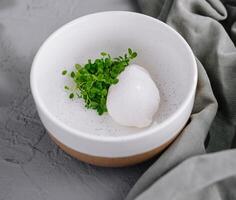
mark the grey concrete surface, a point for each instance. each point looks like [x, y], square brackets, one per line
[31, 165]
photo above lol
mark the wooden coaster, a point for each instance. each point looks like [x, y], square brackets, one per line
[111, 162]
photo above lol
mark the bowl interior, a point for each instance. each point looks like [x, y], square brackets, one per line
[160, 50]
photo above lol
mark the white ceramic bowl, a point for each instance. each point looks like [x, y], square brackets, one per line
[161, 50]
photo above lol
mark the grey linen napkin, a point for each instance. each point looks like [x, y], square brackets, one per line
[181, 172]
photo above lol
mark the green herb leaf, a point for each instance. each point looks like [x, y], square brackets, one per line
[134, 55]
[71, 96]
[78, 66]
[64, 72]
[103, 53]
[72, 74]
[129, 51]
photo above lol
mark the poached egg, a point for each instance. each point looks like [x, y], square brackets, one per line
[135, 99]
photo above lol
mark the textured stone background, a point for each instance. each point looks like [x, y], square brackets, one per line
[31, 166]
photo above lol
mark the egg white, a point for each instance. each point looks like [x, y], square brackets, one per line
[135, 99]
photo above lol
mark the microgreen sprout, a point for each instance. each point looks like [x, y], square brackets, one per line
[93, 79]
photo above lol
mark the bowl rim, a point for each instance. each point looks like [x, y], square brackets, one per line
[103, 138]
